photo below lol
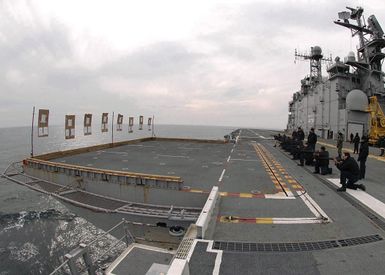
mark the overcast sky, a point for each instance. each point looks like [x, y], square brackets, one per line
[201, 62]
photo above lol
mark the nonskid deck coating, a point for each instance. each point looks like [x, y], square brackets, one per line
[252, 220]
[244, 172]
[348, 223]
[247, 170]
[248, 216]
[200, 165]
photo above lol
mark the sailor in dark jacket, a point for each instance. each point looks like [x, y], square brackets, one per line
[321, 158]
[306, 154]
[300, 134]
[312, 139]
[362, 156]
[294, 135]
[349, 173]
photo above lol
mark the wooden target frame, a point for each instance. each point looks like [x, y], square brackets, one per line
[149, 123]
[104, 122]
[130, 124]
[140, 122]
[87, 124]
[42, 123]
[119, 123]
[69, 126]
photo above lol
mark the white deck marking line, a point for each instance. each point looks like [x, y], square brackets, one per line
[232, 150]
[313, 206]
[228, 159]
[363, 197]
[171, 156]
[322, 213]
[279, 196]
[218, 258]
[296, 220]
[221, 177]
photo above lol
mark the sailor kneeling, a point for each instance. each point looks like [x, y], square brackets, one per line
[349, 173]
[306, 155]
[321, 164]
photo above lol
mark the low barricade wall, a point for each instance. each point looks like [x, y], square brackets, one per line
[135, 189]
[207, 212]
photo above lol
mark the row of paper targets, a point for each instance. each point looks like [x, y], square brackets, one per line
[70, 124]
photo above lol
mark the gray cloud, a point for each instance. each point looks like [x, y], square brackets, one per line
[154, 61]
[237, 71]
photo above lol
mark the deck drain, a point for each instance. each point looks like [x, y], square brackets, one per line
[184, 248]
[293, 247]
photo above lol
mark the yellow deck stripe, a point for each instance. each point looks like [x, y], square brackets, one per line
[264, 220]
[245, 195]
[235, 219]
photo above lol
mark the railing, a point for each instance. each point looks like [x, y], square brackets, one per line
[83, 251]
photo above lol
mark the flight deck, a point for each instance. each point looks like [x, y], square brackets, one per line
[248, 208]
[274, 217]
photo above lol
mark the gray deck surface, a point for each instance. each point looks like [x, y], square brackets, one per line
[348, 221]
[140, 260]
[201, 165]
[202, 262]
[269, 263]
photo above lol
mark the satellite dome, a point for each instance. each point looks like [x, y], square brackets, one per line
[351, 56]
[356, 100]
[316, 52]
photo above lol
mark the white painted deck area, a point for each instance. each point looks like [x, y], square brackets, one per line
[363, 197]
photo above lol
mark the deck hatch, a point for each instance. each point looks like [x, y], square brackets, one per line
[293, 247]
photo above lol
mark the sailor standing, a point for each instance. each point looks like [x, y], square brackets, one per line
[356, 141]
[312, 139]
[363, 155]
[300, 134]
[340, 143]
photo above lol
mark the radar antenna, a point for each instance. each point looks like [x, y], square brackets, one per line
[369, 53]
[316, 59]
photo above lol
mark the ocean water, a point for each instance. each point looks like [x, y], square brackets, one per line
[36, 231]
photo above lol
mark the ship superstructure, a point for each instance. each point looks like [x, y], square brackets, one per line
[339, 102]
